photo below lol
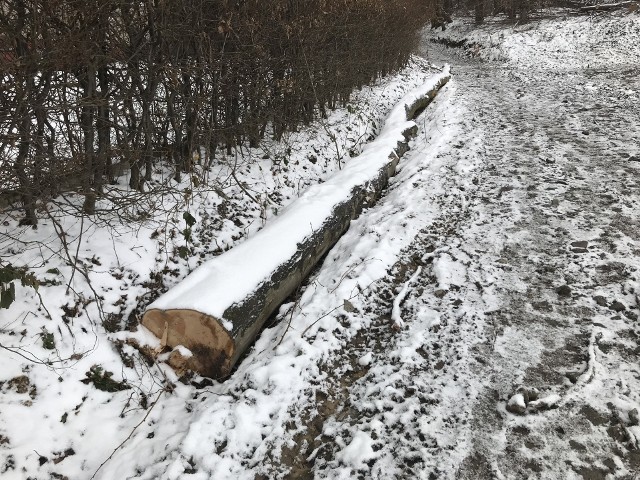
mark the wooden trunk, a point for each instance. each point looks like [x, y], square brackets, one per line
[215, 348]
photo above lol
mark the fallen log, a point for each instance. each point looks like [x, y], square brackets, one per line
[218, 310]
[606, 7]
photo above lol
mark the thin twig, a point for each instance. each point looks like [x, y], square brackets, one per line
[37, 360]
[351, 269]
[293, 309]
[360, 292]
[75, 261]
[130, 434]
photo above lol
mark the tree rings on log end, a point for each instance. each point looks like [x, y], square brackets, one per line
[209, 342]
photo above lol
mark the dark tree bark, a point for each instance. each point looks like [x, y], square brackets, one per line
[88, 85]
[479, 11]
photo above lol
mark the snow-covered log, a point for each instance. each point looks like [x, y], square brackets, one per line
[219, 309]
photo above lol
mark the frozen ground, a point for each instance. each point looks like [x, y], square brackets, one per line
[480, 322]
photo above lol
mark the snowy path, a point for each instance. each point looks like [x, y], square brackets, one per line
[554, 223]
[526, 198]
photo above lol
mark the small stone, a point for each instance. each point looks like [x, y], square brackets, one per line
[348, 306]
[573, 376]
[516, 404]
[529, 394]
[594, 416]
[618, 432]
[585, 132]
[577, 446]
[532, 444]
[440, 293]
[617, 306]
[634, 418]
[580, 244]
[631, 315]
[564, 291]
[610, 464]
[542, 306]
[634, 158]
[534, 394]
[600, 300]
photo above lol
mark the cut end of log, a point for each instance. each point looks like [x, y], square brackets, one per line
[210, 343]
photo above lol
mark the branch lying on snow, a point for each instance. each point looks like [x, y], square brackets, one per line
[607, 7]
[396, 313]
[590, 372]
[130, 434]
[296, 304]
[31, 357]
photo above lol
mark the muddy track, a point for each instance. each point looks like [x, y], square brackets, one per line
[560, 192]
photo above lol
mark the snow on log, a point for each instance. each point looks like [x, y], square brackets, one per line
[219, 309]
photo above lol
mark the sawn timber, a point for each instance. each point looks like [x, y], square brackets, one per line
[216, 348]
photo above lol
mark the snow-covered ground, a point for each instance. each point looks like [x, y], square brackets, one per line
[566, 43]
[501, 266]
[96, 276]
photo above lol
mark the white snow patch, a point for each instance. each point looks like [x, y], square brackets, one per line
[448, 271]
[365, 359]
[359, 450]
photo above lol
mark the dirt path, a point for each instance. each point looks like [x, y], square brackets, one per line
[561, 194]
[528, 284]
